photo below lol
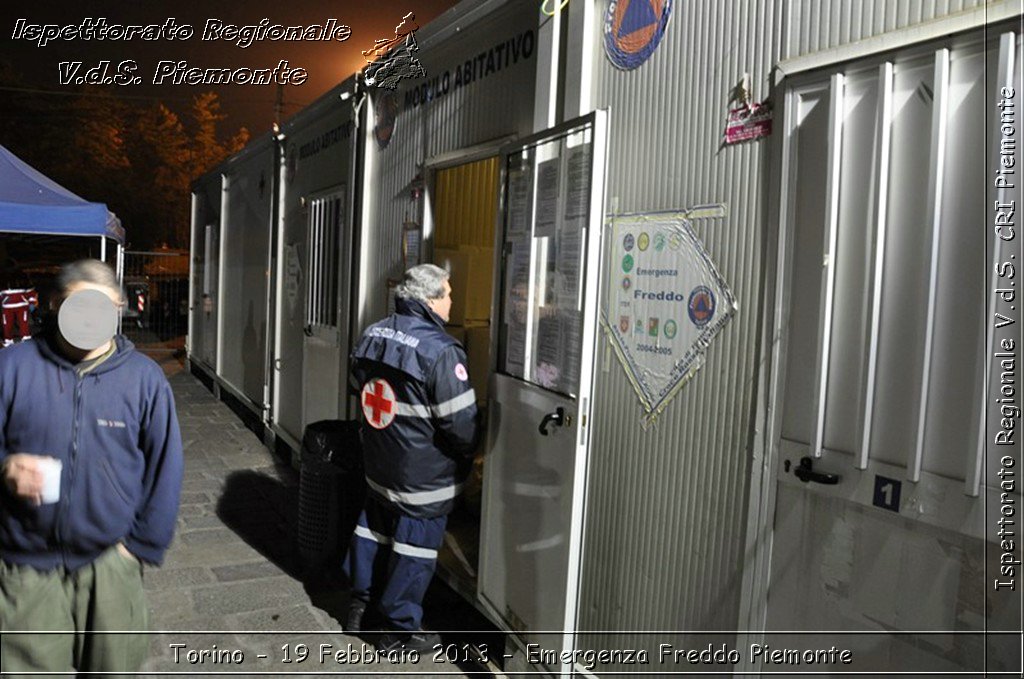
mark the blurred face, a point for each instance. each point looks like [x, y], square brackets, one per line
[87, 318]
[443, 305]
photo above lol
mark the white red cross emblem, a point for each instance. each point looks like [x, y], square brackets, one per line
[378, 399]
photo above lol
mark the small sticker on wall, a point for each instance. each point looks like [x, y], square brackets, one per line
[748, 122]
[887, 493]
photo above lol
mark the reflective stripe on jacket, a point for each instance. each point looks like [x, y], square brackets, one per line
[420, 422]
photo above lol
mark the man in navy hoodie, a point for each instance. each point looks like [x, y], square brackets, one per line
[71, 552]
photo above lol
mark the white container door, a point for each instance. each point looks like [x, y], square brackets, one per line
[324, 307]
[540, 397]
[884, 471]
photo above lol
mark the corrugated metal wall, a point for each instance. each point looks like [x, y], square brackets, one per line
[666, 506]
[489, 107]
[392, 174]
[817, 26]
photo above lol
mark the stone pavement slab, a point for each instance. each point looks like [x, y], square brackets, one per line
[230, 596]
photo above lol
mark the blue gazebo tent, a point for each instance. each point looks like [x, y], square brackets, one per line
[32, 203]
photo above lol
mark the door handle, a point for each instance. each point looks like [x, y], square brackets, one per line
[557, 418]
[805, 472]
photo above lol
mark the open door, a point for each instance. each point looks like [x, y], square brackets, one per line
[540, 397]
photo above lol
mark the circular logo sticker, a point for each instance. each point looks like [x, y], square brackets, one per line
[627, 242]
[674, 241]
[633, 29]
[643, 242]
[384, 117]
[378, 400]
[659, 241]
[623, 324]
[627, 263]
[701, 306]
[670, 329]
[460, 372]
[627, 282]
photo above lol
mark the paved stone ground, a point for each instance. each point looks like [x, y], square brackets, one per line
[233, 569]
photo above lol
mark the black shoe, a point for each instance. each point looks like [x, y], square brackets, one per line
[421, 642]
[354, 617]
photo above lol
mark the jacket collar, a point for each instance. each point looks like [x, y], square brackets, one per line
[417, 309]
[123, 347]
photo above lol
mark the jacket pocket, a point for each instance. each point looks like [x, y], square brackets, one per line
[112, 480]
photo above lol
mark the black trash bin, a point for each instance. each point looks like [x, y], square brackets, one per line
[331, 489]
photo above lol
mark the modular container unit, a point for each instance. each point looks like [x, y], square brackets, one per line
[481, 65]
[313, 271]
[431, 188]
[205, 272]
[271, 241]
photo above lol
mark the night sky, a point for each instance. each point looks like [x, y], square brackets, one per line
[327, 62]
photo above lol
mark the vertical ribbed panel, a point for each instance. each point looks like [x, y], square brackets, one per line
[396, 168]
[666, 507]
[465, 205]
[824, 24]
[665, 523]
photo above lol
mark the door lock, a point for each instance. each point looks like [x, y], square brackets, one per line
[805, 472]
[558, 418]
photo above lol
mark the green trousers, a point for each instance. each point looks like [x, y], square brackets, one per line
[74, 608]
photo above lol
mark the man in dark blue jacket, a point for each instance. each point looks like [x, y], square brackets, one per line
[81, 401]
[420, 428]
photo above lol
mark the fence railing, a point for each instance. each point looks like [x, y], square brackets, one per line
[156, 315]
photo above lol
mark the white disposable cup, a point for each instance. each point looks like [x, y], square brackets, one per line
[50, 467]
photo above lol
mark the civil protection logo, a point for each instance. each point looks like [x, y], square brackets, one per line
[633, 29]
[701, 306]
[384, 117]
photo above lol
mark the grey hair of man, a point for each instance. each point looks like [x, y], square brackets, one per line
[423, 283]
[87, 271]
